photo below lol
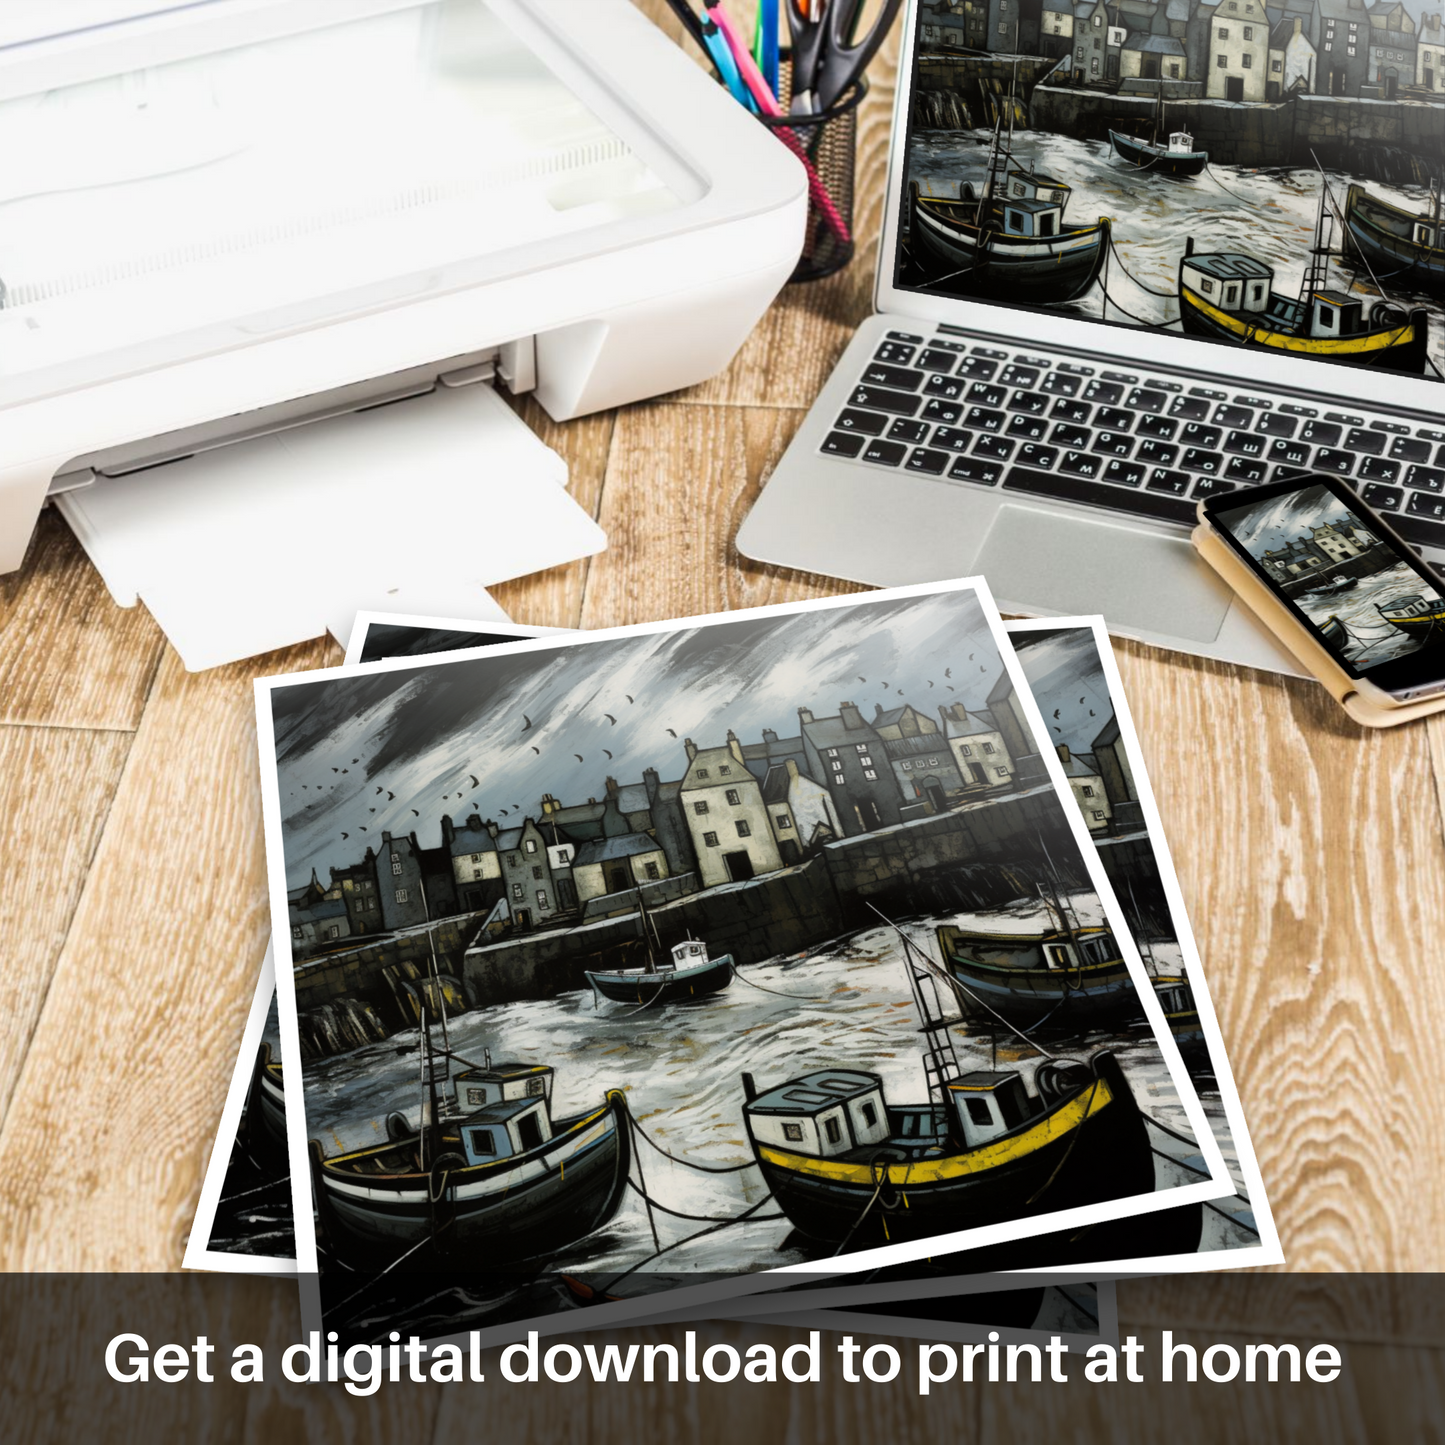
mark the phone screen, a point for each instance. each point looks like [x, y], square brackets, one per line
[1342, 572]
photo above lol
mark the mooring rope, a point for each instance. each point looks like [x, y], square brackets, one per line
[695, 1218]
[687, 1163]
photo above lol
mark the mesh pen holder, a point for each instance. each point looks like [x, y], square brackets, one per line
[826, 143]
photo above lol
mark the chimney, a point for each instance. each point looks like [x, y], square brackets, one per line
[610, 784]
[492, 828]
[690, 747]
[1298, 23]
[1063, 751]
[474, 822]
[769, 736]
[877, 711]
[792, 768]
[852, 718]
[734, 746]
[448, 831]
[652, 783]
[805, 714]
[549, 804]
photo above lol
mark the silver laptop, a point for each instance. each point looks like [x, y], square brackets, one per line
[1099, 300]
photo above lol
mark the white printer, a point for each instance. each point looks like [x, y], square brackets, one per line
[233, 231]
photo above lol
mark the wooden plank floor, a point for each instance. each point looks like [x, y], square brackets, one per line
[1311, 853]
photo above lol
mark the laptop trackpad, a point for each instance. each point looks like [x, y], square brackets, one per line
[1071, 564]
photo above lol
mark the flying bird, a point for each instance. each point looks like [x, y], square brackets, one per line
[628, 696]
[982, 668]
[526, 722]
[1058, 730]
[346, 770]
[504, 811]
[1056, 712]
[363, 827]
[371, 810]
[948, 672]
[390, 796]
[610, 718]
[336, 770]
[346, 835]
[670, 733]
[1091, 712]
[356, 760]
[536, 750]
[380, 791]
[1081, 699]
[605, 751]
[579, 757]
[950, 687]
[473, 777]
[415, 814]
[862, 679]
[970, 657]
[930, 684]
[885, 687]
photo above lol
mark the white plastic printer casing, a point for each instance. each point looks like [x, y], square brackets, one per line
[587, 320]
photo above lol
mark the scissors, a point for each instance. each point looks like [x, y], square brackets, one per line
[826, 59]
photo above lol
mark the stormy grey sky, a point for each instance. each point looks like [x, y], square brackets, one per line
[1270, 524]
[424, 732]
[1067, 679]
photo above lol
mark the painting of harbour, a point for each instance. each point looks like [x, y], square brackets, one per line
[712, 1020]
[1366, 605]
[1303, 145]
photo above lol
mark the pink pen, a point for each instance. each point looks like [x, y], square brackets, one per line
[768, 105]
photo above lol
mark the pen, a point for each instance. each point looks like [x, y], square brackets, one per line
[765, 42]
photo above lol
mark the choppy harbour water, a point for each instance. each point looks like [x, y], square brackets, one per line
[681, 1067]
[1268, 213]
[1372, 638]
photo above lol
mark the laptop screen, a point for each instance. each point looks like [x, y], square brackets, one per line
[1261, 176]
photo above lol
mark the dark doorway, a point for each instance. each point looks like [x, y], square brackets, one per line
[979, 776]
[1113, 67]
[1337, 80]
[790, 851]
[739, 866]
[1271, 90]
[934, 789]
[1234, 87]
[523, 917]
[617, 878]
[1149, 67]
[874, 813]
[1392, 83]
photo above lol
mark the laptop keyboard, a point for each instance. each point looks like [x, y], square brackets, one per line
[1139, 444]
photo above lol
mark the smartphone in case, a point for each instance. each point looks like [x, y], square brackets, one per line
[1338, 587]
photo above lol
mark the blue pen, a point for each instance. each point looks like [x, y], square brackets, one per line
[768, 30]
[727, 67]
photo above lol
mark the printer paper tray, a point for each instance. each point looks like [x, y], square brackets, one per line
[416, 506]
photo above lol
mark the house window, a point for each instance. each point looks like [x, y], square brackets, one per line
[1221, 62]
[296, 932]
[860, 747]
[1276, 66]
[517, 892]
[1349, 50]
[1002, 772]
[537, 871]
[989, 748]
[476, 871]
[649, 871]
[733, 797]
[836, 765]
[745, 829]
[724, 770]
[1174, 70]
[832, 1130]
[832, 752]
[1247, 61]
[866, 760]
[869, 1113]
[1249, 32]
[1224, 32]
[699, 808]
[514, 859]
[702, 772]
[837, 780]
[1207, 287]
[395, 865]
[783, 821]
[401, 895]
[710, 839]
[966, 750]
[1088, 791]
[907, 767]
[476, 1098]
[933, 762]
[541, 898]
[870, 775]
[793, 1132]
[1098, 815]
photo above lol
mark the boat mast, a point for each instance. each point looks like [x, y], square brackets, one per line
[1317, 273]
[995, 168]
[940, 1063]
[646, 936]
[436, 977]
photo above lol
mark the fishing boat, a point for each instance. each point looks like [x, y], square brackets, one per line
[1416, 615]
[1174, 157]
[1010, 241]
[1334, 632]
[848, 1167]
[1062, 973]
[1400, 247]
[1229, 296]
[498, 1180]
[266, 1105]
[1181, 1013]
[1336, 584]
[687, 973]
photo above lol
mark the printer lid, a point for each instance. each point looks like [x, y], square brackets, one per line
[183, 178]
